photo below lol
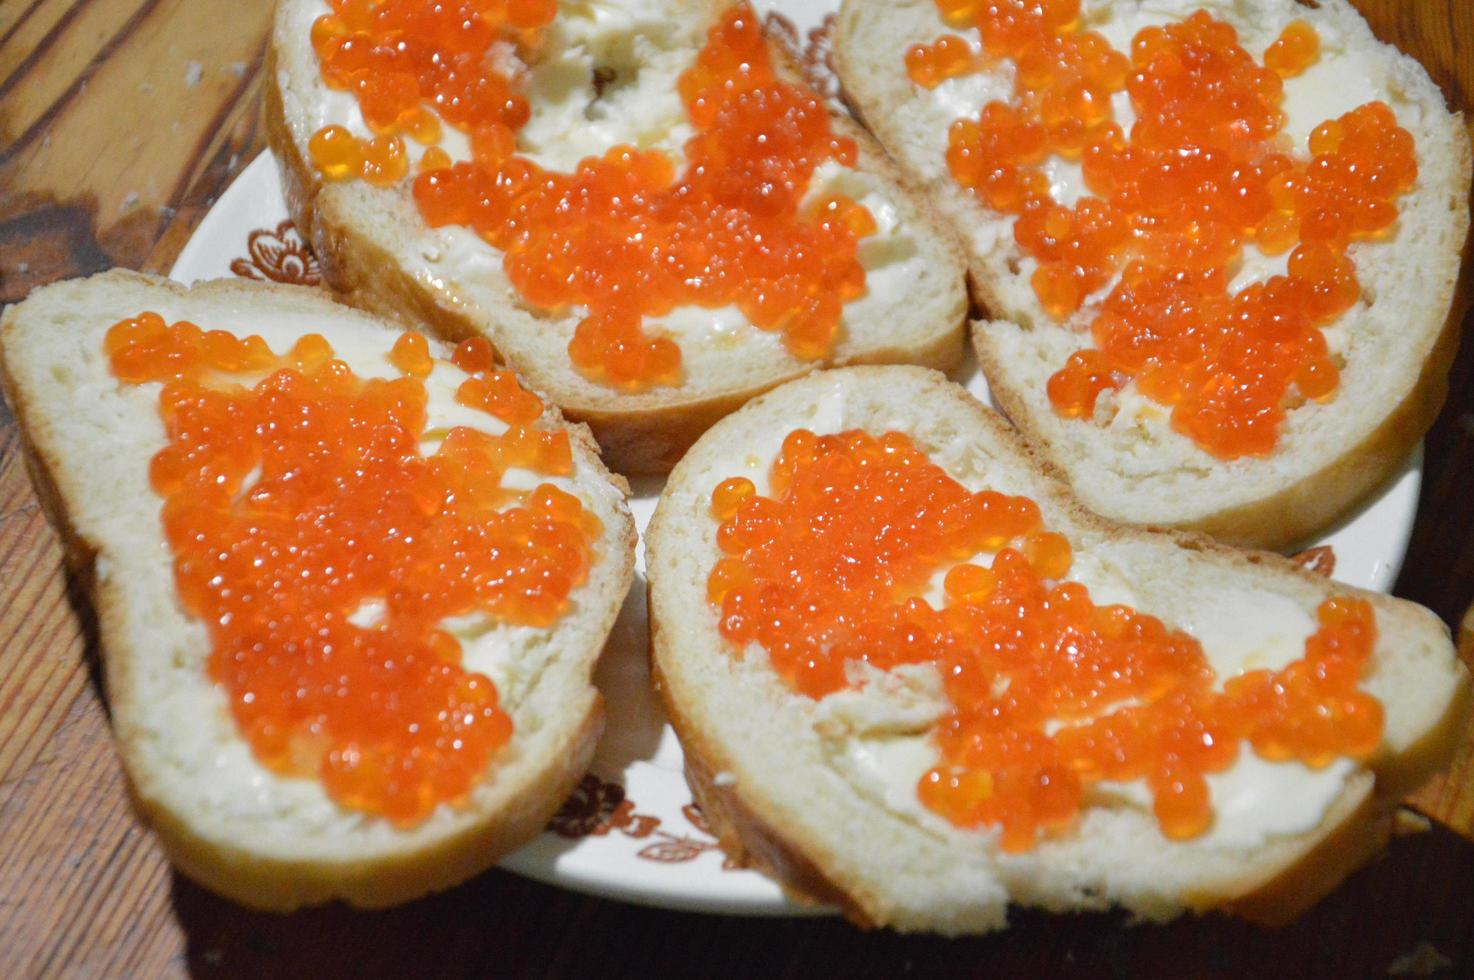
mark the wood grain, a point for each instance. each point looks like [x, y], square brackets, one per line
[112, 112]
[120, 122]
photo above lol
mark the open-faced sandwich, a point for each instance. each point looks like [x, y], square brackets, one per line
[913, 676]
[350, 583]
[639, 204]
[1215, 241]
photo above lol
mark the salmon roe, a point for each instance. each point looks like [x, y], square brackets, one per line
[326, 553]
[1171, 204]
[624, 236]
[1048, 692]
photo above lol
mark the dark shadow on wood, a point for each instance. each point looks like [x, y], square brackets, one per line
[1408, 912]
[78, 566]
[43, 240]
[79, 597]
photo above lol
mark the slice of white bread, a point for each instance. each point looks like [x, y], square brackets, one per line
[821, 794]
[1395, 345]
[605, 74]
[265, 840]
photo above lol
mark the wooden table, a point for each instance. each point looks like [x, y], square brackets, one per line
[122, 120]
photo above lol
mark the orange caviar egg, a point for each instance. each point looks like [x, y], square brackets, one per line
[336, 153]
[499, 393]
[339, 155]
[1048, 692]
[1171, 206]
[384, 161]
[931, 64]
[969, 583]
[474, 354]
[530, 14]
[423, 126]
[411, 354]
[626, 236]
[729, 495]
[1048, 552]
[1295, 50]
[1075, 388]
[434, 158]
[322, 549]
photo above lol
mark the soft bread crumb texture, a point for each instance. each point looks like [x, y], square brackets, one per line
[791, 760]
[379, 254]
[1395, 345]
[257, 837]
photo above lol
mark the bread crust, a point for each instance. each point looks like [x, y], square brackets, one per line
[645, 439]
[1285, 877]
[1359, 836]
[383, 881]
[1297, 510]
[744, 835]
[233, 869]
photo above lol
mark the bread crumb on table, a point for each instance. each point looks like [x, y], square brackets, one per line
[1424, 960]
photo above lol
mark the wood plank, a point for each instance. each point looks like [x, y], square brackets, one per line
[179, 75]
[234, 144]
[46, 70]
[149, 55]
[42, 641]
[71, 852]
[34, 32]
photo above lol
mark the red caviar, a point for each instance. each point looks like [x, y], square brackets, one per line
[1296, 49]
[947, 57]
[324, 551]
[1171, 205]
[833, 566]
[624, 236]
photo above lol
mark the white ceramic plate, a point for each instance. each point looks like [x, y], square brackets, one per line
[630, 831]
